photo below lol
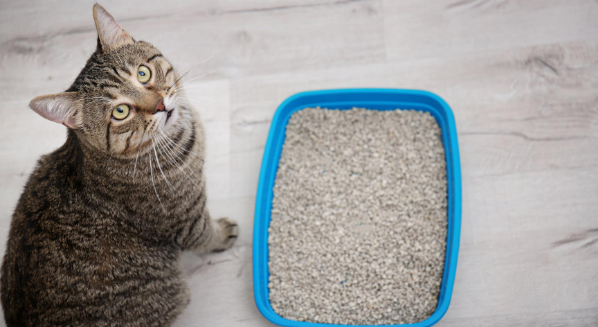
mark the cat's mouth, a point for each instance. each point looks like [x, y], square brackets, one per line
[169, 114]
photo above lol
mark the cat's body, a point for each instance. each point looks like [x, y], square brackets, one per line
[96, 235]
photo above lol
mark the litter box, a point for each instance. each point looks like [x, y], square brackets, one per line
[375, 99]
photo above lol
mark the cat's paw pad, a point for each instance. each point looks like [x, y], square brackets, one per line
[230, 232]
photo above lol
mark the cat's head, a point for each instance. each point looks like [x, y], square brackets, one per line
[126, 93]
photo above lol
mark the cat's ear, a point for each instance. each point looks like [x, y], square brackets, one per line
[111, 35]
[63, 108]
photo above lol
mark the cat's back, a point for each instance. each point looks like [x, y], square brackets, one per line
[66, 261]
[33, 234]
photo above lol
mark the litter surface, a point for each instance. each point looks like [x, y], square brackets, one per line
[359, 218]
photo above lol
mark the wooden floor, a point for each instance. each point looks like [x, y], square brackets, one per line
[520, 76]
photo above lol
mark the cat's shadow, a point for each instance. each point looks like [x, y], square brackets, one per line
[193, 264]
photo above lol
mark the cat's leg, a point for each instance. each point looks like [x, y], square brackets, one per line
[222, 232]
[204, 234]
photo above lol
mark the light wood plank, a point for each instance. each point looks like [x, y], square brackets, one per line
[448, 27]
[520, 77]
[239, 42]
[519, 118]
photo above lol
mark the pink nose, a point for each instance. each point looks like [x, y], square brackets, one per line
[160, 106]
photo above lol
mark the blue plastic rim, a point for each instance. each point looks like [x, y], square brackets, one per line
[375, 99]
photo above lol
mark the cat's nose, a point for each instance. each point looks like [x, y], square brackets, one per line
[159, 106]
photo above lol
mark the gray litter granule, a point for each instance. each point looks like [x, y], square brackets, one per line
[359, 218]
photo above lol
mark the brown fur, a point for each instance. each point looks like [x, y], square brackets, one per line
[96, 235]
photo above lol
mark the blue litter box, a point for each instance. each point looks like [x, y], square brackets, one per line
[375, 99]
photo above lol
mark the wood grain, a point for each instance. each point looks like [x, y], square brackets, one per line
[520, 76]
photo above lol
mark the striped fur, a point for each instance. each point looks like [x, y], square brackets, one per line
[96, 235]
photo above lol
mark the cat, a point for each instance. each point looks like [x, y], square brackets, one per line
[97, 233]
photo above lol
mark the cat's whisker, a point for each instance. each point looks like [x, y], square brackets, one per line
[160, 166]
[205, 103]
[163, 150]
[186, 101]
[154, 184]
[172, 142]
[176, 98]
[196, 86]
[188, 104]
[202, 97]
[193, 95]
[172, 159]
[190, 69]
[181, 168]
[178, 94]
[137, 157]
[178, 155]
[181, 77]
[200, 76]
[213, 55]
[183, 105]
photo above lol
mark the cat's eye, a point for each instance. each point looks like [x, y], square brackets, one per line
[121, 112]
[143, 74]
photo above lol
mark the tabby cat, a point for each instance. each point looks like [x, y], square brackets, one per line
[97, 233]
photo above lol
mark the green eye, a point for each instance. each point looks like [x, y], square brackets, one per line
[143, 74]
[120, 112]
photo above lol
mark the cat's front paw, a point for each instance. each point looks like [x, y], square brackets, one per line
[229, 230]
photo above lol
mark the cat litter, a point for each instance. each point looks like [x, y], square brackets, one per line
[359, 218]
